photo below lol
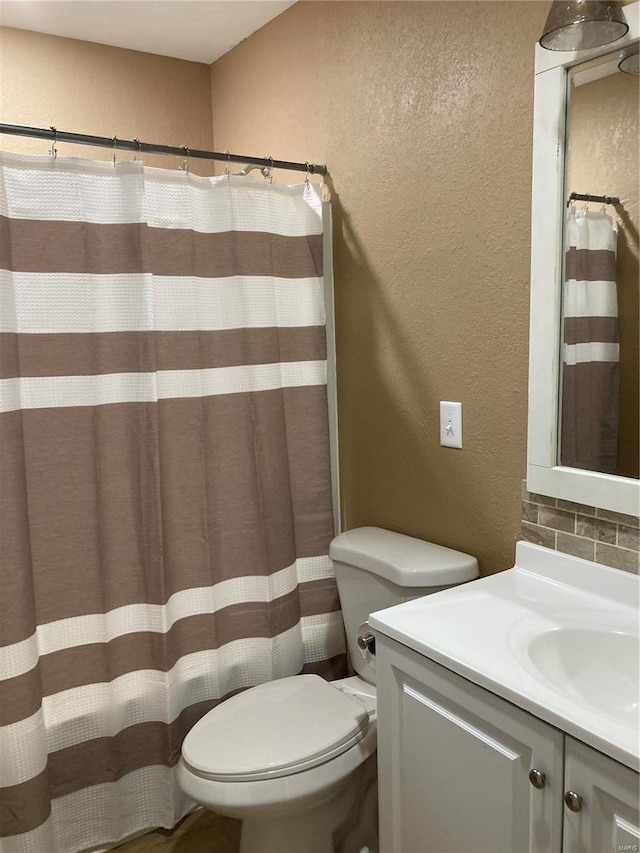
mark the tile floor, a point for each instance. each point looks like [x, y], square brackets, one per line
[202, 832]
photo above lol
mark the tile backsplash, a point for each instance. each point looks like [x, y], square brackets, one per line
[606, 537]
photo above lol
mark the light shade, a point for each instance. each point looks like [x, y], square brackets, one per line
[630, 63]
[583, 24]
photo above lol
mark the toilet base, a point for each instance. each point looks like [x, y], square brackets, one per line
[345, 823]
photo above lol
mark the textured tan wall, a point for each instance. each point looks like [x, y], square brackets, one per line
[92, 88]
[423, 112]
[604, 160]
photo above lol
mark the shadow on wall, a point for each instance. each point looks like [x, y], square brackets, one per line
[413, 472]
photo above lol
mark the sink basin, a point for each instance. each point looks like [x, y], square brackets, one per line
[556, 636]
[597, 667]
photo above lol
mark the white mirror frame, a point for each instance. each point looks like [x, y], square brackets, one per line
[544, 475]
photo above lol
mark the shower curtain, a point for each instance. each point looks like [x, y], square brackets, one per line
[165, 483]
[590, 381]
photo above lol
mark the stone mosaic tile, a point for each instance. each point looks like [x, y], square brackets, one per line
[577, 546]
[629, 537]
[559, 519]
[530, 512]
[618, 558]
[538, 535]
[597, 529]
[574, 507]
[543, 500]
[619, 517]
[610, 538]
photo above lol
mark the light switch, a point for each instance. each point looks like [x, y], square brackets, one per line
[450, 424]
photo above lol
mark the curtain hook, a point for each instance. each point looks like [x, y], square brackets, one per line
[306, 177]
[184, 166]
[53, 151]
[115, 142]
[227, 168]
[266, 170]
[136, 155]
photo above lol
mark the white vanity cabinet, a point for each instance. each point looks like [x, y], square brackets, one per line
[607, 817]
[464, 771]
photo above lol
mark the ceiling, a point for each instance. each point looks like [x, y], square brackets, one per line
[197, 30]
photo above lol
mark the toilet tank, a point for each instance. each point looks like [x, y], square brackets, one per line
[378, 568]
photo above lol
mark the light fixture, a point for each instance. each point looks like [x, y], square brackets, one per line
[629, 63]
[583, 24]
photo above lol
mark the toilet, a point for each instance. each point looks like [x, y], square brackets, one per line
[295, 759]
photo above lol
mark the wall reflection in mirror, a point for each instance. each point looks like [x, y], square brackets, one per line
[600, 370]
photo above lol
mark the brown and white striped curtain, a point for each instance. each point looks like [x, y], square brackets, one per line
[165, 493]
[590, 381]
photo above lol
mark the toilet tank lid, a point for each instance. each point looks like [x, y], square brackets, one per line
[403, 560]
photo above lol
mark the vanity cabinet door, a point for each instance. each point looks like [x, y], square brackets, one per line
[454, 764]
[605, 818]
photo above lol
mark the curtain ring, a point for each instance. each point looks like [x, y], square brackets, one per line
[115, 141]
[266, 170]
[184, 166]
[306, 177]
[53, 151]
[227, 168]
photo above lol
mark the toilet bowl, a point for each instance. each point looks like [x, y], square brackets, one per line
[295, 759]
[291, 795]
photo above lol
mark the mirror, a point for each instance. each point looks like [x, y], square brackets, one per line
[600, 373]
[585, 141]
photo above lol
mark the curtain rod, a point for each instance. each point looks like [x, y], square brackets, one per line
[55, 135]
[603, 199]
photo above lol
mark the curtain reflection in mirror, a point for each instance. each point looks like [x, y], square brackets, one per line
[591, 373]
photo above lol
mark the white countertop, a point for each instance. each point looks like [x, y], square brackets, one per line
[500, 630]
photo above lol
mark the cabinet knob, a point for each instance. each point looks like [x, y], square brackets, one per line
[537, 778]
[573, 801]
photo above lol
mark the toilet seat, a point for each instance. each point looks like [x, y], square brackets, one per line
[275, 729]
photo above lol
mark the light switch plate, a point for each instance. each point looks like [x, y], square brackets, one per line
[450, 424]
